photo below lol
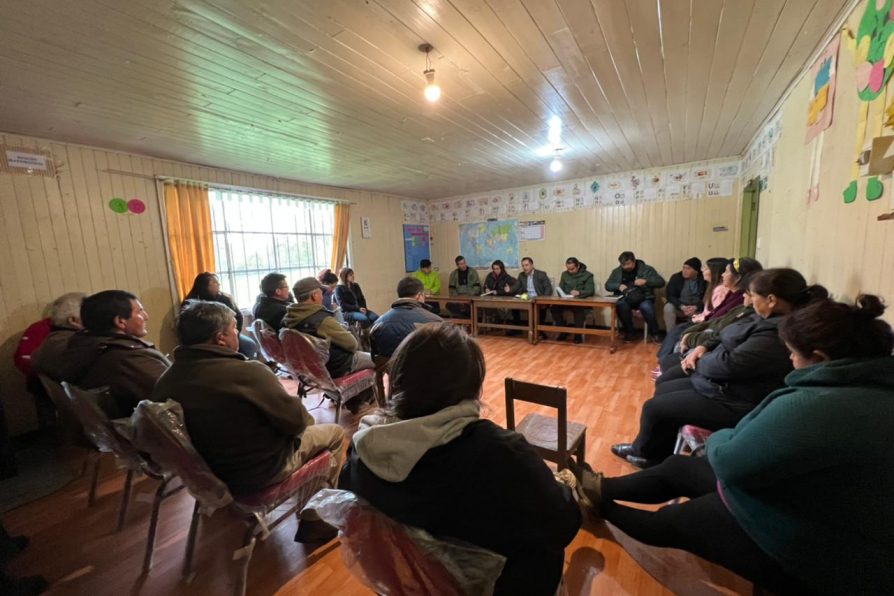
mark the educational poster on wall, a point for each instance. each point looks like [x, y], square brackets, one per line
[531, 230]
[417, 246]
[822, 92]
[484, 242]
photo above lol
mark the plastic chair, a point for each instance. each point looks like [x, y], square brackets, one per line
[554, 439]
[400, 560]
[160, 430]
[103, 434]
[268, 341]
[306, 357]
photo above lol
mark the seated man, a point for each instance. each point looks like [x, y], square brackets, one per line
[430, 281]
[109, 352]
[406, 314]
[533, 283]
[39, 353]
[624, 281]
[249, 430]
[308, 316]
[464, 281]
[576, 281]
[274, 300]
[685, 293]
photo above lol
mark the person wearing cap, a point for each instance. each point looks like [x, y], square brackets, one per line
[430, 281]
[309, 316]
[685, 293]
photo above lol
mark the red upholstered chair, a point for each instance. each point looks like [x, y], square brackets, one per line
[161, 432]
[268, 341]
[691, 439]
[305, 358]
[400, 560]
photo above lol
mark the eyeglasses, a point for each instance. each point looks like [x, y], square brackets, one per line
[285, 287]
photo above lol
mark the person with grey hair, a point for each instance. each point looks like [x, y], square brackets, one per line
[65, 320]
[308, 315]
[247, 427]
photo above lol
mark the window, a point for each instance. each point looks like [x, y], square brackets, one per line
[256, 233]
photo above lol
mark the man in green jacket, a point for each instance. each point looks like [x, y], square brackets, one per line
[309, 316]
[242, 421]
[636, 283]
[464, 281]
[577, 282]
[431, 282]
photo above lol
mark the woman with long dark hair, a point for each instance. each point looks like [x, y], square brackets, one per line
[431, 462]
[721, 386]
[206, 287]
[798, 496]
[350, 298]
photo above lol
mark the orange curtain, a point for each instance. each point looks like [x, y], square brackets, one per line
[189, 233]
[340, 235]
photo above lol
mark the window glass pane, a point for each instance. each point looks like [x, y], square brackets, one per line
[255, 234]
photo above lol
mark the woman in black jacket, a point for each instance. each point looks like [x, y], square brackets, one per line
[206, 287]
[722, 385]
[500, 283]
[350, 298]
[429, 461]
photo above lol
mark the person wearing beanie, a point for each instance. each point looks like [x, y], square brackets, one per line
[685, 293]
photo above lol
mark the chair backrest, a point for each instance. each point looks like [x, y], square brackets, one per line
[56, 393]
[160, 431]
[396, 559]
[268, 340]
[98, 427]
[305, 357]
[544, 395]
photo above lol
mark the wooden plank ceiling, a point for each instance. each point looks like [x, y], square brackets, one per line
[330, 91]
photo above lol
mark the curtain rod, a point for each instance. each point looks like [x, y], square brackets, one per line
[259, 191]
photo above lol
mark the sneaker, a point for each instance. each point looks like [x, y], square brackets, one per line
[655, 373]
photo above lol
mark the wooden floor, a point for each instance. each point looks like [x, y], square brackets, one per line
[79, 552]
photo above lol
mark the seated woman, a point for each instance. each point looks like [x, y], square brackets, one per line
[429, 461]
[350, 298]
[729, 294]
[720, 387]
[500, 283]
[206, 287]
[797, 497]
[329, 281]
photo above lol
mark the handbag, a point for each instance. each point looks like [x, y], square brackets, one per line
[634, 296]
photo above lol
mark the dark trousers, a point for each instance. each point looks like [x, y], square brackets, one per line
[434, 307]
[646, 308]
[579, 314]
[460, 310]
[674, 334]
[703, 525]
[674, 404]
[671, 368]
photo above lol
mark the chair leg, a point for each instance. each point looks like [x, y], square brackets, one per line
[188, 573]
[337, 402]
[681, 442]
[581, 450]
[153, 525]
[248, 547]
[91, 496]
[125, 499]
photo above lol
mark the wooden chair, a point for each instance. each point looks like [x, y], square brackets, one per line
[161, 432]
[555, 439]
[381, 363]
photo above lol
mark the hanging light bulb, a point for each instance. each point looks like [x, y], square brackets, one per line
[555, 165]
[432, 90]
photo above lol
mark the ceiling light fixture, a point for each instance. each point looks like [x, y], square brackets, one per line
[556, 164]
[432, 91]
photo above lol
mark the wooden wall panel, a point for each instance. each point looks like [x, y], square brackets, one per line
[58, 235]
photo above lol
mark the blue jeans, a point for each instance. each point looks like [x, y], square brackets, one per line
[646, 308]
[365, 319]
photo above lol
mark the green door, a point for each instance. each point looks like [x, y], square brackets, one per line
[750, 203]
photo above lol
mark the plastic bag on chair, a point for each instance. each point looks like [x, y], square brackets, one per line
[397, 560]
[159, 430]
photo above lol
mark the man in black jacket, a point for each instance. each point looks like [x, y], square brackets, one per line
[685, 293]
[272, 304]
[534, 282]
[407, 312]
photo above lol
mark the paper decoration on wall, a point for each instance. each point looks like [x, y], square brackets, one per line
[118, 205]
[881, 159]
[874, 189]
[873, 52]
[850, 193]
[822, 93]
[136, 206]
